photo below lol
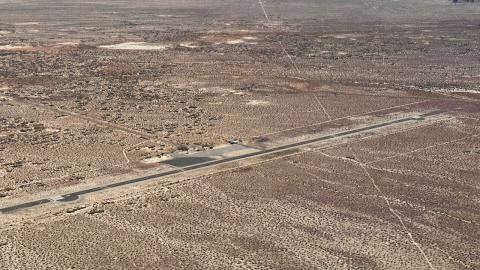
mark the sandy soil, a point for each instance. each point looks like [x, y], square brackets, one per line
[104, 88]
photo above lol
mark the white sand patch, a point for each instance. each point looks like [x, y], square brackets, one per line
[457, 90]
[213, 89]
[156, 159]
[171, 16]
[342, 53]
[68, 43]
[347, 36]
[3, 32]
[191, 45]
[13, 47]
[344, 36]
[3, 172]
[26, 23]
[223, 91]
[141, 46]
[235, 41]
[258, 102]
[241, 40]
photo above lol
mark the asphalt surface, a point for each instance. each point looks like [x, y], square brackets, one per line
[202, 163]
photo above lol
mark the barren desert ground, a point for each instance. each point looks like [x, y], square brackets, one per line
[239, 134]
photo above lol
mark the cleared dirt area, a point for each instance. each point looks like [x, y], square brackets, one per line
[104, 91]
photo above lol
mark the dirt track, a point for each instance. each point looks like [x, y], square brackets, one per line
[93, 91]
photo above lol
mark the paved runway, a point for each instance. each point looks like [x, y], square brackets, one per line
[206, 162]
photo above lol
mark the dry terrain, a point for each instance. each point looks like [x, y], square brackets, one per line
[345, 134]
